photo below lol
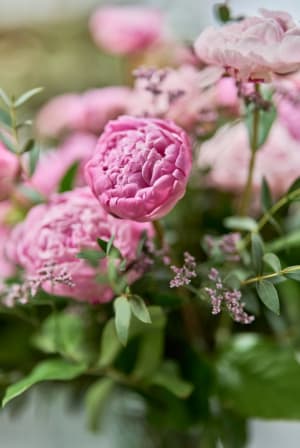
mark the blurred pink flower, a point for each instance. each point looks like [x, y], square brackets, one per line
[54, 164]
[227, 154]
[126, 29]
[288, 104]
[8, 170]
[87, 112]
[140, 167]
[185, 95]
[253, 48]
[6, 267]
[54, 233]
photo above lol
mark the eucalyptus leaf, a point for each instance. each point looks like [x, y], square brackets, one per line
[33, 159]
[139, 309]
[27, 95]
[240, 223]
[257, 253]
[8, 143]
[50, 370]
[122, 318]
[5, 118]
[268, 295]
[266, 195]
[273, 261]
[5, 98]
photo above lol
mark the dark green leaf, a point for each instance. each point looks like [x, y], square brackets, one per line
[260, 379]
[257, 253]
[92, 256]
[54, 369]
[122, 318]
[168, 377]
[28, 146]
[268, 295]
[102, 244]
[33, 159]
[68, 181]
[273, 261]
[222, 12]
[240, 223]
[266, 196]
[139, 309]
[150, 355]
[95, 401]
[27, 95]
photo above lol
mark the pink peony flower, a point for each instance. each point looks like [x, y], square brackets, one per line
[52, 235]
[253, 48]
[227, 154]
[54, 164]
[126, 29]
[288, 104]
[8, 170]
[88, 112]
[140, 167]
[6, 268]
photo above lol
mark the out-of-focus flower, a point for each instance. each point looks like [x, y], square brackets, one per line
[8, 170]
[6, 268]
[140, 167]
[227, 154]
[126, 29]
[54, 164]
[88, 112]
[185, 95]
[48, 242]
[253, 48]
[288, 104]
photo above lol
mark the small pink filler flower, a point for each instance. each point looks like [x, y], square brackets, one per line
[140, 167]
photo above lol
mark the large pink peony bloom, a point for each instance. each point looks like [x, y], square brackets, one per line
[140, 167]
[54, 164]
[126, 29]
[227, 154]
[53, 234]
[253, 48]
[8, 170]
[88, 112]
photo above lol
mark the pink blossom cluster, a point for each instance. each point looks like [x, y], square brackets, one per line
[184, 275]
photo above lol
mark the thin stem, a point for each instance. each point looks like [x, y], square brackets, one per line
[269, 213]
[159, 232]
[246, 196]
[12, 112]
[259, 278]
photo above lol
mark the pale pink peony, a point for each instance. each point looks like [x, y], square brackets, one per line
[54, 233]
[8, 170]
[227, 154]
[185, 95]
[254, 48]
[54, 164]
[140, 167]
[126, 29]
[287, 101]
[87, 112]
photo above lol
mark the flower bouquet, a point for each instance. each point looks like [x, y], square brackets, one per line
[149, 233]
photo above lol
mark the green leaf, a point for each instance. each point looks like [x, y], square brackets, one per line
[68, 181]
[149, 356]
[293, 276]
[109, 245]
[259, 379]
[240, 223]
[5, 98]
[28, 146]
[266, 196]
[31, 194]
[265, 122]
[122, 318]
[139, 309]
[95, 401]
[286, 242]
[5, 118]
[92, 256]
[27, 95]
[273, 261]
[34, 156]
[222, 12]
[268, 295]
[257, 253]
[168, 377]
[54, 369]
[102, 244]
[295, 186]
[8, 143]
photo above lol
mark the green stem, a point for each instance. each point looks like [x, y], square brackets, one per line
[269, 213]
[159, 232]
[259, 278]
[246, 196]
[13, 117]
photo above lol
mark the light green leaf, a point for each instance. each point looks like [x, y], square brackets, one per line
[139, 309]
[257, 253]
[8, 143]
[27, 95]
[285, 242]
[240, 223]
[5, 98]
[273, 261]
[31, 194]
[95, 400]
[54, 369]
[33, 159]
[268, 295]
[122, 318]
[5, 118]
[168, 377]
[92, 256]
